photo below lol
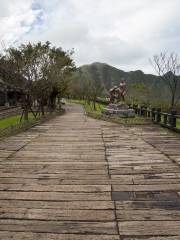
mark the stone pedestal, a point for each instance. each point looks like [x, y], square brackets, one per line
[121, 110]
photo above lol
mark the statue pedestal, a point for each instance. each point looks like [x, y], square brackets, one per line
[121, 110]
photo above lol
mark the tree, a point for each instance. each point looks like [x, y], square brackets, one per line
[96, 88]
[59, 72]
[45, 71]
[140, 93]
[167, 67]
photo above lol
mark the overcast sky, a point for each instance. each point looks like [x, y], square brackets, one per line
[122, 33]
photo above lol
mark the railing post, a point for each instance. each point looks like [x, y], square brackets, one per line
[135, 108]
[138, 110]
[158, 119]
[142, 110]
[153, 114]
[173, 118]
[156, 115]
[165, 119]
[145, 112]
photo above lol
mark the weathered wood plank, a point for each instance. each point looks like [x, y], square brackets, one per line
[55, 188]
[5, 235]
[108, 228]
[56, 214]
[148, 214]
[74, 205]
[151, 228]
[54, 196]
[153, 238]
[79, 178]
[155, 204]
[154, 187]
[54, 181]
[55, 175]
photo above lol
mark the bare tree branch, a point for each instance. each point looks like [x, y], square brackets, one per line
[167, 66]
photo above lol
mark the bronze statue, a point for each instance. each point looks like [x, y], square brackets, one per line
[122, 89]
[118, 93]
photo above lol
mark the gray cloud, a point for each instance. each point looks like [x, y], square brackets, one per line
[123, 33]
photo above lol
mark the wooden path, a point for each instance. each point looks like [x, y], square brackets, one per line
[76, 178]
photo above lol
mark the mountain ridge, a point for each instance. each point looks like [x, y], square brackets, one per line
[108, 76]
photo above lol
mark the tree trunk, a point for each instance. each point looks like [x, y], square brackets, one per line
[25, 107]
[94, 104]
[42, 109]
[26, 114]
[52, 103]
[172, 101]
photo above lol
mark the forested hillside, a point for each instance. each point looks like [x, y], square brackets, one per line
[140, 86]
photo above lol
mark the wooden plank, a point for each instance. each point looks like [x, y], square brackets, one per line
[56, 214]
[69, 178]
[55, 175]
[148, 214]
[61, 227]
[149, 228]
[54, 196]
[55, 188]
[156, 181]
[56, 181]
[140, 188]
[58, 171]
[149, 205]
[173, 237]
[5, 235]
[158, 175]
[74, 205]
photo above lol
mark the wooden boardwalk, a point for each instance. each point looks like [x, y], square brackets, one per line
[76, 178]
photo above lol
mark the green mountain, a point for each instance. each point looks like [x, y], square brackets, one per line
[139, 84]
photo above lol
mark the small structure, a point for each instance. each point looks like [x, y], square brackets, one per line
[117, 106]
[9, 95]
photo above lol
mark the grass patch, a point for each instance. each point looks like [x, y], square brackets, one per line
[88, 106]
[89, 109]
[13, 120]
[137, 120]
[178, 123]
[12, 125]
[125, 121]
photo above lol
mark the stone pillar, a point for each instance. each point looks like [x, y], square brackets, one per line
[158, 116]
[153, 114]
[173, 118]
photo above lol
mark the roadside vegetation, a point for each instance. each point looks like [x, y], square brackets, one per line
[45, 74]
[13, 124]
[89, 110]
[13, 120]
[41, 72]
[178, 123]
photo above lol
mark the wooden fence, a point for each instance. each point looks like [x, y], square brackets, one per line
[168, 120]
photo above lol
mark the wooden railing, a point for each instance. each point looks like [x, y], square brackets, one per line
[9, 111]
[168, 120]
